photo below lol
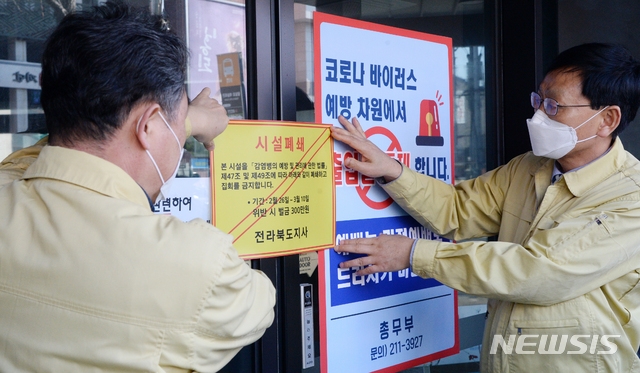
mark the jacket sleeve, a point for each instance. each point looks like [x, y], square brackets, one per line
[237, 312]
[564, 257]
[470, 209]
[575, 257]
[16, 163]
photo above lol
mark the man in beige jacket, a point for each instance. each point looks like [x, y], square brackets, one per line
[90, 278]
[562, 278]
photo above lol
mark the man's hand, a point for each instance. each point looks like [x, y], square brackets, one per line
[208, 118]
[375, 162]
[384, 253]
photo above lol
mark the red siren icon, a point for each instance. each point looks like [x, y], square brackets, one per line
[429, 133]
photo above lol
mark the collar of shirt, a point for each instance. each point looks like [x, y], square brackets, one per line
[583, 178]
[88, 171]
[151, 204]
[556, 167]
[555, 176]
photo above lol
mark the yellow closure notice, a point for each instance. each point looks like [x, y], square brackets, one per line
[272, 187]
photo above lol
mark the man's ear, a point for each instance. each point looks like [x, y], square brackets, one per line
[611, 120]
[143, 128]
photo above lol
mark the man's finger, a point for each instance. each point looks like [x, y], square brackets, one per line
[353, 128]
[206, 91]
[362, 261]
[364, 270]
[356, 246]
[369, 270]
[210, 146]
[345, 123]
[356, 124]
[339, 134]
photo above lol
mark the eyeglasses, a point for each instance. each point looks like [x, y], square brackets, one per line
[550, 105]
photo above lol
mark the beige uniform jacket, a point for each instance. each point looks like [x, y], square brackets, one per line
[566, 263]
[92, 280]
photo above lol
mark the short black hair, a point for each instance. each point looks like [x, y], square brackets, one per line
[97, 65]
[610, 76]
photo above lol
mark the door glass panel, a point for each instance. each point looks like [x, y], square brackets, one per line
[216, 35]
[24, 27]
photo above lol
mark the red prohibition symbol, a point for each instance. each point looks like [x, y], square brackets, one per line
[394, 146]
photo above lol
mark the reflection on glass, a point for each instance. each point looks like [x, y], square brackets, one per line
[303, 18]
[216, 36]
[24, 27]
[469, 112]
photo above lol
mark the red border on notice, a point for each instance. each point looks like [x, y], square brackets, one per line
[318, 19]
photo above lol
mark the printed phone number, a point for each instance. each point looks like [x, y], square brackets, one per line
[394, 348]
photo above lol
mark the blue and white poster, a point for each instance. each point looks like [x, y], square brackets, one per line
[398, 83]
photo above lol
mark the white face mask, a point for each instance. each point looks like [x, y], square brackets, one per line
[166, 184]
[553, 139]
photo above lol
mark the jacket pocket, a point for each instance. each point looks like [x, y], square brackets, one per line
[547, 346]
[537, 325]
[578, 239]
[627, 288]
